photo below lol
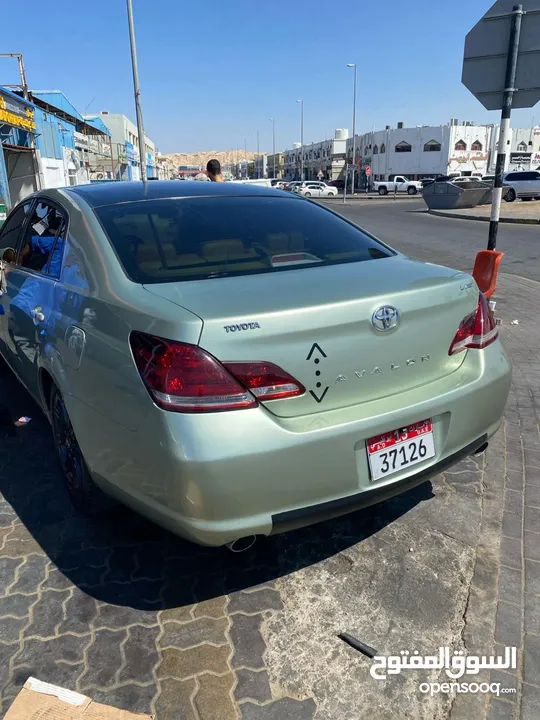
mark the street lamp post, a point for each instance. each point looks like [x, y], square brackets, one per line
[137, 92]
[353, 174]
[301, 138]
[258, 156]
[245, 156]
[273, 143]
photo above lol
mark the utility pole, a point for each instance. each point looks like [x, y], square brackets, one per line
[353, 174]
[258, 156]
[273, 143]
[301, 138]
[137, 92]
[245, 155]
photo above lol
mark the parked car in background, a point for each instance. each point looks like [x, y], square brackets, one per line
[339, 183]
[398, 184]
[488, 178]
[427, 181]
[232, 362]
[524, 184]
[316, 189]
[291, 186]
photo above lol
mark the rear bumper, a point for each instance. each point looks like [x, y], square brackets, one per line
[291, 519]
[222, 476]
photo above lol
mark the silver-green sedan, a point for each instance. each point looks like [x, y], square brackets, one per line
[233, 361]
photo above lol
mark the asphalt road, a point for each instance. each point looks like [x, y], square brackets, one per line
[406, 226]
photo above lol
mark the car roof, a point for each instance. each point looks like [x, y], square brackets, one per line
[112, 193]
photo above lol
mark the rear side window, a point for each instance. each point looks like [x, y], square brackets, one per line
[197, 238]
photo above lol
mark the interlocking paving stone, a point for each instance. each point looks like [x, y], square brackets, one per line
[532, 495]
[104, 659]
[79, 612]
[501, 710]
[47, 613]
[127, 697]
[531, 661]
[255, 602]
[174, 701]
[213, 699]
[510, 584]
[8, 567]
[196, 632]
[252, 685]
[532, 577]
[215, 608]
[284, 709]
[530, 702]
[17, 605]
[532, 545]
[514, 480]
[247, 640]
[512, 552]
[512, 525]
[115, 616]
[10, 629]
[532, 519]
[508, 624]
[185, 663]
[532, 614]
[30, 573]
[140, 654]
[38, 654]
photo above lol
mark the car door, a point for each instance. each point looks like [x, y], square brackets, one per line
[30, 288]
[399, 183]
[9, 241]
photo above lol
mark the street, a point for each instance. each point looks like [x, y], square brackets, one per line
[408, 227]
[137, 618]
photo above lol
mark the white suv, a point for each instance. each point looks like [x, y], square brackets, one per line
[316, 189]
[523, 184]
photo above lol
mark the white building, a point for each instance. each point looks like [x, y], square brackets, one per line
[322, 160]
[424, 151]
[261, 165]
[524, 150]
[126, 147]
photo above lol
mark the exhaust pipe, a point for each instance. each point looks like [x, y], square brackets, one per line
[242, 544]
[481, 449]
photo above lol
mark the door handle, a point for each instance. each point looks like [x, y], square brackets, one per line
[37, 315]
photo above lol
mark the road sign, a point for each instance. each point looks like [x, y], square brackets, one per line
[352, 167]
[486, 53]
[368, 171]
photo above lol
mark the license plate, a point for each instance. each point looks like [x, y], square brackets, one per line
[394, 451]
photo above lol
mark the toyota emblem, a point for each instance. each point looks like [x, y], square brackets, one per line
[385, 318]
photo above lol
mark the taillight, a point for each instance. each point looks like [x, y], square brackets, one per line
[185, 378]
[476, 331]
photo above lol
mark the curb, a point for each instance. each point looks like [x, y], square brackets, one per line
[359, 198]
[514, 221]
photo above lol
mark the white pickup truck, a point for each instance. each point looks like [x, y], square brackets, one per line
[398, 184]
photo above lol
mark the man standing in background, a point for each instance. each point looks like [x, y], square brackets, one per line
[213, 170]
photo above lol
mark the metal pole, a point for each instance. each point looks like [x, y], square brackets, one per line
[137, 92]
[353, 174]
[274, 143]
[301, 138]
[112, 159]
[345, 184]
[258, 155]
[245, 155]
[508, 96]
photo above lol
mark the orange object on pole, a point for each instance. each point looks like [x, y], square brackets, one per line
[486, 269]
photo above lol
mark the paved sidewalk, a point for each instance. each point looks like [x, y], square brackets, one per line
[527, 213]
[140, 619]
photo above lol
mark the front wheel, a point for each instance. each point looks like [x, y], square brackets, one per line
[86, 497]
[411, 191]
[383, 191]
[510, 195]
[307, 194]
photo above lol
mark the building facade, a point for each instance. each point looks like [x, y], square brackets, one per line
[323, 160]
[19, 172]
[423, 151]
[127, 153]
[275, 165]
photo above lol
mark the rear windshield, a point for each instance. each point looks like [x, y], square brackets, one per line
[197, 238]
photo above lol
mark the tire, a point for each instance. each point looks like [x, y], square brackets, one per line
[307, 194]
[412, 191]
[526, 199]
[510, 195]
[87, 499]
[383, 190]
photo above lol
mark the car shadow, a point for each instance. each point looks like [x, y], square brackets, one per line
[125, 560]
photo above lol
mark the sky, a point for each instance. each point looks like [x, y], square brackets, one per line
[214, 71]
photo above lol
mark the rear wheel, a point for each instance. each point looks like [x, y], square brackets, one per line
[411, 191]
[85, 496]
[510, 195]
[307, 194]
[383, 191]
